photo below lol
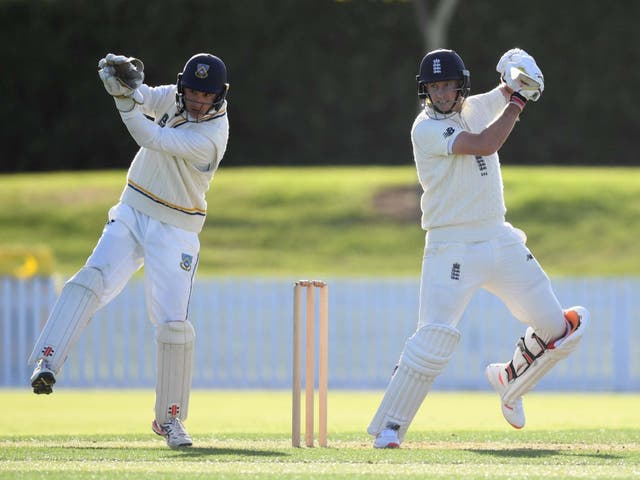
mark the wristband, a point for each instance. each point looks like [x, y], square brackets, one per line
[518, 100]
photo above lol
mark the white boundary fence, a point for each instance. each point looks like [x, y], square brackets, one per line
[243, 329]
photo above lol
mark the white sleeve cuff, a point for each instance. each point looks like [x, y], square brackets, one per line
[451, 140]
[124, 104]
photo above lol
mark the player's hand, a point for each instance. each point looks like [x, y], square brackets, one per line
[510, 56]
[122, 76]
[525, 78]
[111, 84]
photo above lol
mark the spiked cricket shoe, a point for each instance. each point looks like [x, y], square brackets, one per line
[42, 378]
[174, 432]
[514, 412]
[387, 438]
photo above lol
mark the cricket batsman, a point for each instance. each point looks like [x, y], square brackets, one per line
[182, 131]
[469, 245]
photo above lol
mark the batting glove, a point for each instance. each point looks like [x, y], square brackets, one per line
[525, 78]
[513, 56]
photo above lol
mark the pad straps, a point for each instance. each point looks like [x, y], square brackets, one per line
[527, 355]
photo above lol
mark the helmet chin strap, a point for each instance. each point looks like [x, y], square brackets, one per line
[455, 103]
[190, 117]
[438, 114]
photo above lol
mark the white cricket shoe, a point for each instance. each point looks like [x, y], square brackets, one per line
[174, 432]
[42, 378]
[387, 438]
[514, 412]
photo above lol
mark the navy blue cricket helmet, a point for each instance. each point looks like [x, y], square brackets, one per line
[439, 65]
[206, 73]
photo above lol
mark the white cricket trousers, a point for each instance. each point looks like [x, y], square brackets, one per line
[169, 255]
[452, 272]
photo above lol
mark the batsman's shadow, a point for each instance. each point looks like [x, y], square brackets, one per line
[218, 451]
[539, 452]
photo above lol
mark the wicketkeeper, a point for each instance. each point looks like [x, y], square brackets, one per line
[469, 245]
[156, 224]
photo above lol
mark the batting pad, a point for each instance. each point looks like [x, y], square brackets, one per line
[71, 313]
[175, 352]
[424, 356]
[555, 352]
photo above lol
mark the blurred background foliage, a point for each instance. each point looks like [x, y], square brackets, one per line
[313, 82]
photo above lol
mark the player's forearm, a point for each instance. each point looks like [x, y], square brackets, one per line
[499, 130]
[142, 130]
[193, 147]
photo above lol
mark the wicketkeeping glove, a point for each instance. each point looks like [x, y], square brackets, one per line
[122, 76]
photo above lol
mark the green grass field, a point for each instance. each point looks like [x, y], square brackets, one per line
[355, 221]
[105, 435]
[323, 222]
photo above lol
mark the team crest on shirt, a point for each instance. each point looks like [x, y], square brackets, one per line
[202, 71]
[448, 132]
[186, 263]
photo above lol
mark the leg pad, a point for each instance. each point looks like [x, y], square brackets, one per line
[424, 356]
[175, 355]
[526, 370]
[71, 313]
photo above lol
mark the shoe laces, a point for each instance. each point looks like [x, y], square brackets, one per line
[175, 428]
[392, 426]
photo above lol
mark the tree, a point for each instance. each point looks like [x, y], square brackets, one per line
[434, 22]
